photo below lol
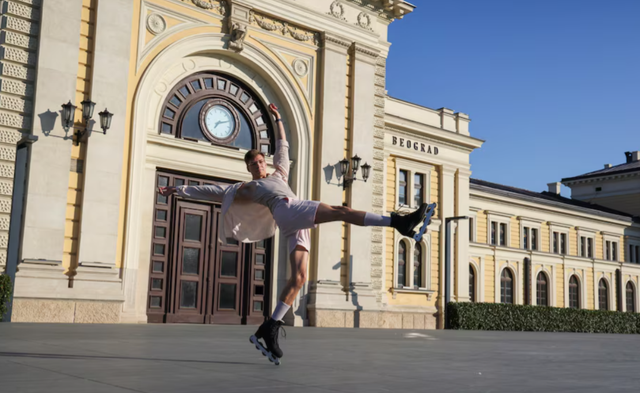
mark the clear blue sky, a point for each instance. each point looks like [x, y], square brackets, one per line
[552, 86]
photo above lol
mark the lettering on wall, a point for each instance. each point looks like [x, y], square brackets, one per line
[417, 146]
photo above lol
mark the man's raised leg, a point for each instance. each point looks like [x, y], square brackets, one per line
[403, 224]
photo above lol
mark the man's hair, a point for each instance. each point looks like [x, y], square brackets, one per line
[251, 154]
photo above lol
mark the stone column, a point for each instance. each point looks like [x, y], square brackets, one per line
[103, 165]
[461, 294]
[447, 198]
[57, 66]
[361, 193]
[326, 291]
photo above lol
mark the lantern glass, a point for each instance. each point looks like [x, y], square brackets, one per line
[87, 109]
[344, 166]
[365, 171]
[68, 114]
[355, 163]
[105, 120]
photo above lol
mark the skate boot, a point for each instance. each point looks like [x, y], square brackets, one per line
[405, 224]
[268, 332]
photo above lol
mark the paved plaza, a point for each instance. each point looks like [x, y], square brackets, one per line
[56, 358]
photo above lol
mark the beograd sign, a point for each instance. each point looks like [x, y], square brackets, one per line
[417, 146]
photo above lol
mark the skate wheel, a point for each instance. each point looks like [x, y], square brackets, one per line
[277, 362]
[264, 354]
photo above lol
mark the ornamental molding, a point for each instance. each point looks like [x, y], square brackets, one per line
[284, 28]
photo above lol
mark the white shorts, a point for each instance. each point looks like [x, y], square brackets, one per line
[295, 217]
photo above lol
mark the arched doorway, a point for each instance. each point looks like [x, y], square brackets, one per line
[152, 151]
[194, 278]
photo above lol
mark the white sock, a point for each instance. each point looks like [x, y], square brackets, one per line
[280, 311]
[375, 220]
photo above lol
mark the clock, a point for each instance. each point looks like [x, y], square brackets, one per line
[219, 121]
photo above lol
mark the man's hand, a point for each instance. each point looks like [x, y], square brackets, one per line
[166, 191]
[274, 110]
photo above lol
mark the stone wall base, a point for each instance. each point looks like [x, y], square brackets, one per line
[65, 311]
[373, 319]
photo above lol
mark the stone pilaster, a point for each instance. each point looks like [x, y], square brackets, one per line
[18, 57]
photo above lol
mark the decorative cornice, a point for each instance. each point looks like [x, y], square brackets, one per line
[284, 28]
[326, 38]
[366, 51]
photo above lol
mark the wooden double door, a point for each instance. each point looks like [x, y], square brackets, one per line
[194, 277]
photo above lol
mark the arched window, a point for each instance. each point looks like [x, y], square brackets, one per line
[417, 266]
[218, 109]
[603, 295]
[542, 290]
[402, 264]
[631, 297]
[472, 284]
[506, 287]
[574, 292]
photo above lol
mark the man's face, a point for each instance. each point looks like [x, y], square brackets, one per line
[257, 167]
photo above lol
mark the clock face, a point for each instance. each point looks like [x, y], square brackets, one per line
[219, 121]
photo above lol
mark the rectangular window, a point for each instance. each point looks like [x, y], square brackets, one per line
[583, 246]
[525, 240]
[637, 254]
[607, 251]
[534, 239]
[555, 242]
[418, 181]
[563, 243]
[589, 248]
[494, 229]
[471, 228]
[402, 188]
[631, 259]
[503, 234]
[614, 251]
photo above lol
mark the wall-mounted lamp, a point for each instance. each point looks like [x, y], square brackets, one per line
[68, 118]
[349, 177]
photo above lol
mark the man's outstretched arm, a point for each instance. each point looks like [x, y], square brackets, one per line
[281, 157]
[213, 192]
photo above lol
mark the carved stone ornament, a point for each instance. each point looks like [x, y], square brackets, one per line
[206, 4]
[284, 28]
[300, 67]
[238, 33]
[156, 24]
[337, 10]
[218, 6]
[364, 21]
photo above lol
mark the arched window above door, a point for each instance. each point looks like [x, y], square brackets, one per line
[218, 109]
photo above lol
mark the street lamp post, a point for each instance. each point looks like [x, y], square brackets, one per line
[447, 263]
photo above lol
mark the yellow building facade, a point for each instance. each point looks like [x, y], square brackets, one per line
[95, 242]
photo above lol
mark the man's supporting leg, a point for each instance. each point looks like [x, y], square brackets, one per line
[299, 264]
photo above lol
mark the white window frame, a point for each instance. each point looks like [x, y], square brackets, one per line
[613, 238]
[550, 283]
[479, 267]
[635, 292]
[530, 223]
[560, 228]
[632, 242]
[426, 263]
[514, 266]
[580, 274]
[412, 168]
[587, 233]
[500, 218]
[473, 229]
[610, 293]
